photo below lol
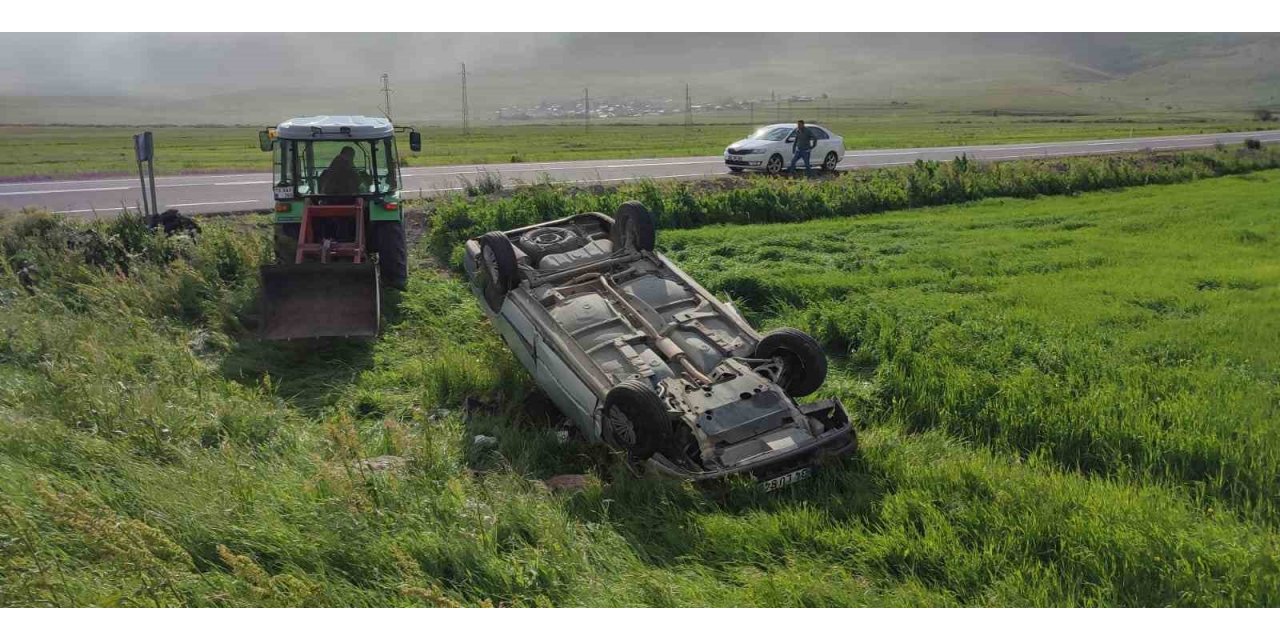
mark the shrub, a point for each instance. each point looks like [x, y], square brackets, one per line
[486, 183]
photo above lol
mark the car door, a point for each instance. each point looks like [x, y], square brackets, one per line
[823, 137]
[783, 146]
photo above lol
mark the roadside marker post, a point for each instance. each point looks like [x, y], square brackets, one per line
[151, 175]
[144, 151]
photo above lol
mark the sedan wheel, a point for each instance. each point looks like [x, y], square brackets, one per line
[774, 166]
[829, 163]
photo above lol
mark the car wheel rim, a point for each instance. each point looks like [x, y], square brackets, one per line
[775, 164]
[830, 164]
[491, 264]
[623, 430]
[791, 368]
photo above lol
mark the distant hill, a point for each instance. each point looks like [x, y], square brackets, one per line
[262, 78]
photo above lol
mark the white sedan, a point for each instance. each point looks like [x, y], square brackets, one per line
[769, 149]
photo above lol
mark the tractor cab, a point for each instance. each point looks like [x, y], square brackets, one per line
[339, 228]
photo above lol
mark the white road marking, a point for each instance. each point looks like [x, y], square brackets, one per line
[36, 193]
[585, 180]
[88, 210]
[158, 186]
[158, 178]
[519, 168]
[231, 184]
[199, 204]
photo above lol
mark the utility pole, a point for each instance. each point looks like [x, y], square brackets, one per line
[386, 93]
[466, 110]
[688, 107]
[586, 108]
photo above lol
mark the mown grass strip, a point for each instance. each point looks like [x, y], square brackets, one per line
[680, 205]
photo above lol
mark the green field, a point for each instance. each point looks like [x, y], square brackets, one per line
[1062, 401]
[51, 151]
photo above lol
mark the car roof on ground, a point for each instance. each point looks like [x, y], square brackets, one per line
[334, 128]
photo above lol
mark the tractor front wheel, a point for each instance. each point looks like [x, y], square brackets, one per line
[393, 253]
[286, 242]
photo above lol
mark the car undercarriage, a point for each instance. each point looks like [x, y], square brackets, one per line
[640, 356]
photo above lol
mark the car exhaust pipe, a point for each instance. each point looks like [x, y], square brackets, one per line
[665, 345]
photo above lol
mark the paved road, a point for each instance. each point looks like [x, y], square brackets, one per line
[252, 191]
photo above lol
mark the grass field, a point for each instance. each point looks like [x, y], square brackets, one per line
[1062, 401]
[51, 151]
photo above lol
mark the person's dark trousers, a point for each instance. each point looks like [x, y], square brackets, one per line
[802, 153]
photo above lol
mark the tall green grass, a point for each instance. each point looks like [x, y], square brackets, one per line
[153, 453]
[1130, 336]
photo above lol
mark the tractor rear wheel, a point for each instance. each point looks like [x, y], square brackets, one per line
[393, 253]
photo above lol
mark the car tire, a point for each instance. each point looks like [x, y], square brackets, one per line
[286, 242]
[633, 227]
[804, 364]
[498, 261]
[774, 166]
[635, 419]
[830, 162]
[544, 241]
[393, 253]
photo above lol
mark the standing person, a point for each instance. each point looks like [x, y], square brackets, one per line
[802, 147]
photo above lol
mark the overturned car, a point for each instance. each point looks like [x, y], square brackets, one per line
[640, 356]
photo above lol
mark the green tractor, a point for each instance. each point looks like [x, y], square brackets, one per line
[339, 225]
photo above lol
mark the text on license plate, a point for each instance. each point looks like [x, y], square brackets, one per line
[736, 158]
[786, 479]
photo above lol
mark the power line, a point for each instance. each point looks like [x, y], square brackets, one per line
[466, 110]
[386, 92]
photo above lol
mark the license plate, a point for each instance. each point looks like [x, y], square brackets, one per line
[284, 192]
[736, 158]
[781, 481]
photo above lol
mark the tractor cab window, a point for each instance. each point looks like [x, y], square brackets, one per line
[337, 167]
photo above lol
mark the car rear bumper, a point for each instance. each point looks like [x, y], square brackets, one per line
[837, 442]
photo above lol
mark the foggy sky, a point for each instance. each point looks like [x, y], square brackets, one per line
[252, 77]
[146, 64]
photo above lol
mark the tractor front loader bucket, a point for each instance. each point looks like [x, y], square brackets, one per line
[315, 300]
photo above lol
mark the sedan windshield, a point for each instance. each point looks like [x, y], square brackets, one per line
[772, 134]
